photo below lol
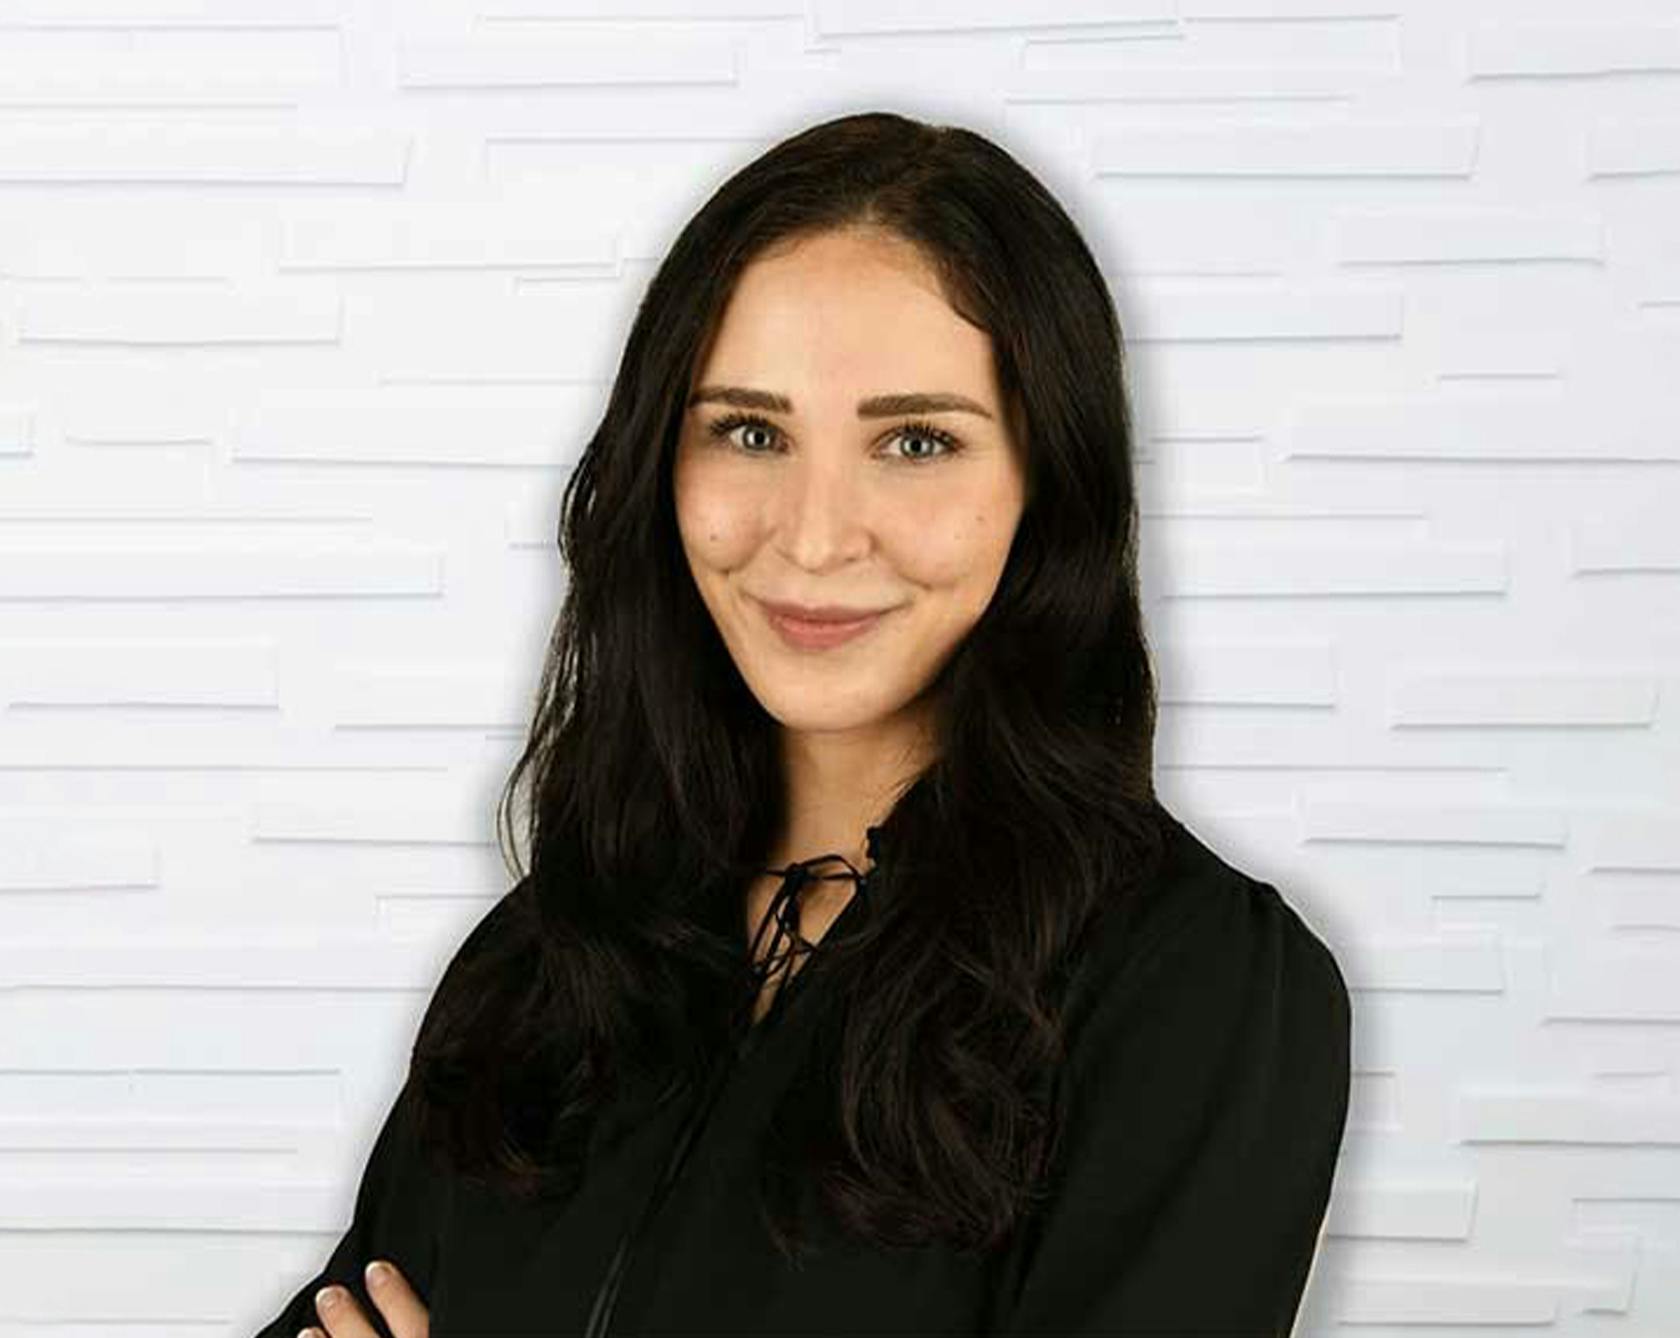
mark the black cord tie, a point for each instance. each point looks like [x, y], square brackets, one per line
[784, 911]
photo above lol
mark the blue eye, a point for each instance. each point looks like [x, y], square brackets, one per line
[725, 426]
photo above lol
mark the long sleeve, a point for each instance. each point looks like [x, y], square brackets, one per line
[1207, 1092]
[402, 1201]
[395, 1218]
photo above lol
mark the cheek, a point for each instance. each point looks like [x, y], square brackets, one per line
[716, 527]
[958, 547]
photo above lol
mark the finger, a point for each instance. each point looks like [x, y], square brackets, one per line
[341, 1314]
[404, 1311]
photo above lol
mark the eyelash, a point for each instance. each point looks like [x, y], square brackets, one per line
[722, 427]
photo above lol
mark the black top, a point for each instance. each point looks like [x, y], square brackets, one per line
[1206, 1096]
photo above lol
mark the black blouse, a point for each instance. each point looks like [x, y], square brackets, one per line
[1206, 1096]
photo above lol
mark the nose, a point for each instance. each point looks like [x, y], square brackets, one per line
[820, 510]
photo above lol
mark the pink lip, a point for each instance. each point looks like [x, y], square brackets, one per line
[819, 634]
[820, 613]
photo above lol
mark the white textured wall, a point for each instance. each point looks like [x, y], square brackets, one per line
[306, 307]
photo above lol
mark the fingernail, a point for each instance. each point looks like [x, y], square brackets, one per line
[309, 1333]
[327, 1297]
[377, 1274]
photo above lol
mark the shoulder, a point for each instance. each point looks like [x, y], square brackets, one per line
[506, 925]
[1209, 952]
[1204, 1095]
[481, 958]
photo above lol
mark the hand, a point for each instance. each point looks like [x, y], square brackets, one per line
[404, 1312]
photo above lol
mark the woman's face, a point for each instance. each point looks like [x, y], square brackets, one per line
[823, 498]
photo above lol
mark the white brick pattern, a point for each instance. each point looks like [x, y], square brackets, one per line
[307, 307]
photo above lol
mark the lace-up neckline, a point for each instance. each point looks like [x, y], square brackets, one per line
[784, 912]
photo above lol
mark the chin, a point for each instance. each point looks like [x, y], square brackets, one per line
[817, 713]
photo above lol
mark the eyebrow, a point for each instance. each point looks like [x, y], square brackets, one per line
[876, 406]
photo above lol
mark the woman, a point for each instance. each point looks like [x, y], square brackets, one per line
[858, 983]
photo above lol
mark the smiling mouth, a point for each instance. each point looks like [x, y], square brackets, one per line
[808, 634]
[825, 613]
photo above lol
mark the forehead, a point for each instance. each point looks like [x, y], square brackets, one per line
[843, 315]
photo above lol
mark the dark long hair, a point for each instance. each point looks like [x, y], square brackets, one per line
[655, 776]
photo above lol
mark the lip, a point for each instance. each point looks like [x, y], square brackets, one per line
[820, 613]
[819, 633]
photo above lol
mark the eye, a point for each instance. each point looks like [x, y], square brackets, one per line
[929, 432]
[724, 427]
